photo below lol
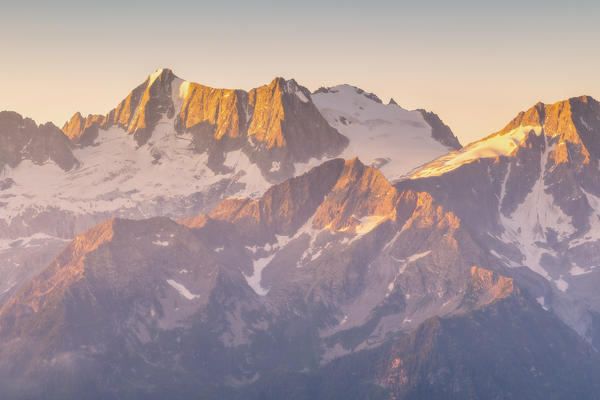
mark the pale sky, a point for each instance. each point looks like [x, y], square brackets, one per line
[475, 63]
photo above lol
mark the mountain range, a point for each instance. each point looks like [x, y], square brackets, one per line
[214, 243]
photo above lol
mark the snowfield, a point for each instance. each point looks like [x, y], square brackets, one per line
[388, 137]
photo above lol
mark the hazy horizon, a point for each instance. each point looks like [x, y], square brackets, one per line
[475, 65]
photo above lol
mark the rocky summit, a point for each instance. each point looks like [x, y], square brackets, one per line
[530, 193]
[276, 243]
[171, 148]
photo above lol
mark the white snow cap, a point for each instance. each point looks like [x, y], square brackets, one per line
[382, 135]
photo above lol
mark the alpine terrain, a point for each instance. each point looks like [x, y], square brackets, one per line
[211, 243]
[176, 148]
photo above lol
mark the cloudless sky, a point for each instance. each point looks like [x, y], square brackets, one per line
[475, 63]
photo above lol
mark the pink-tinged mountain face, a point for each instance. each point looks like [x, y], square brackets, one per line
[393, 139]
[176, 148]
[336, 262]
[340, 235]
[573, 122]
[332, 269]
[276, 125]
[532, 192]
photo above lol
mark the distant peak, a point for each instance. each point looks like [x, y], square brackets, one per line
[162, 74]
[392, 102]
[286, 85]
[585, 99]
[277, 81]
[354, 162]
[556, 118]
[439, 130]
[74, 126]
[346, 88]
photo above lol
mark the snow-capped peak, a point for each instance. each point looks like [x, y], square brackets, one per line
[386, 136]
[569, 121]
[491, 147]
[349, 92]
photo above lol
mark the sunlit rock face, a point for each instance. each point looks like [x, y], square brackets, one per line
[83, 131]
[531, 195]
[440, 131]
[340, 268]
[336, 265]
[172, 148]
[338, 250]
[275, 125]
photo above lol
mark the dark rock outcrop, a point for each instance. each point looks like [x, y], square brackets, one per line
[22, 139]
[440, 131]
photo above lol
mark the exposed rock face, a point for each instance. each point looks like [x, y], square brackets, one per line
[359, 193]
[170, 148]
[83, 131]
[321, 266]
[286, 125]
[145, 106]
[22, 139]
[283, 209]
[448, 284]
[531, 194]
[464, 357]
[276, 125]
[440, 131]
[85, 265]
[488, 286]
[138, 114]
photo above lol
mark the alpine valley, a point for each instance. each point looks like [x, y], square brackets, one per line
[222, 244]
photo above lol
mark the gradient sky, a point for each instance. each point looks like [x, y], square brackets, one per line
[476, 64]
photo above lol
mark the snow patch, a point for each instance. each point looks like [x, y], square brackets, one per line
[404, 263]
[28, 241]
[417, 256]
[541, 300]
[370, 222]
[184, 89]
[275, 166]
[561, 284]
[302, 168]
[182, 290]
[252, 249]
[114, 174]
[247, 173]
[575, 271]
[301, 96]
[529, 223]
[154, 76]
[254, 279]
[498, 145]
[307, 229]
